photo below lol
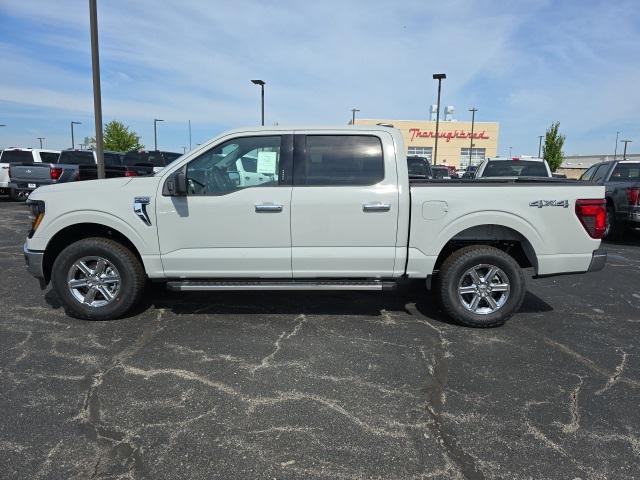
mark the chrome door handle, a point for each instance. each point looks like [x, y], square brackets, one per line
[376, 207]
[268, 208]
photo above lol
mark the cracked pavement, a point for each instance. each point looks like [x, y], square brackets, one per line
[321, 385]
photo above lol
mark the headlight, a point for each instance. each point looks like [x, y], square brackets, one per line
[37, 214]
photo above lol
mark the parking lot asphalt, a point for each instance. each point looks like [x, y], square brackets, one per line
[321, 385]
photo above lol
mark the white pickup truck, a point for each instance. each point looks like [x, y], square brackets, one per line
[334, 209]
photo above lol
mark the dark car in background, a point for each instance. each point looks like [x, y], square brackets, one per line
[621, 180]
[419, 167]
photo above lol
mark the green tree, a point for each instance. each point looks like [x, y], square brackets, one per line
[553, 143]
[117, 137]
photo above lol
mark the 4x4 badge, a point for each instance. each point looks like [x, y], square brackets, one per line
[550, 203]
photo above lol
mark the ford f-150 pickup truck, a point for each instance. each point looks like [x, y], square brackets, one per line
[335, 210]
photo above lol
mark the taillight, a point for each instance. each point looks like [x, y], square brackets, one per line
[633, 196]
[592, 213]
[55, 173]
[130, 173]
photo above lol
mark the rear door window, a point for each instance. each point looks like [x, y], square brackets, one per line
[626, 172]
[340, 160]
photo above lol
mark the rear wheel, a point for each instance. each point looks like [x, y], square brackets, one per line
[613, 228]
[481, 286]
[13, 194]
[97, 279]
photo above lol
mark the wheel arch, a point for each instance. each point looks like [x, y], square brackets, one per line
[79, 231]
[503, 237]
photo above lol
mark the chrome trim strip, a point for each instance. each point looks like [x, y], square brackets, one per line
[199, 287]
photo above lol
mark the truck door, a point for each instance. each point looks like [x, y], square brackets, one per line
[344, 206]
[222, 228]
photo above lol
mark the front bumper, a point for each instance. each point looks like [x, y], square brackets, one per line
[34, 263]
[598, 260]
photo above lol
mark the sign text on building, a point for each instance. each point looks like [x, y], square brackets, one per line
[416, 132]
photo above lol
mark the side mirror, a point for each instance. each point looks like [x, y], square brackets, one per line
[176, 185]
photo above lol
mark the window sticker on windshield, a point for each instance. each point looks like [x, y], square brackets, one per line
[267, 162]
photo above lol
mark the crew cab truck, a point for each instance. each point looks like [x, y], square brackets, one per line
[335, 211]
[18, 157]
[621, 179]
[70, 166]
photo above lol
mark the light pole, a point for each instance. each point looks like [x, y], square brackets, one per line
[510, 151]
[73, 141]
[615, 152]
[473, 121]
[155, 132]
[353, 115]
[540, 137]
[97, 95]
[261, 83]
[624, 155]
[41, 139]
[190, 135]
[184, 149]
[2, 125]
[439, 77]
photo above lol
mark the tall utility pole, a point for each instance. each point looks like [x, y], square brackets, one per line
[41, 139]
[155, 133]
[184, 149]
[510, 151]
[261, 83]
[615, 152]
[353, 115]
[97, 95]
[540, 137]
[189, 134]
[473, 121]
[439, 77]
[624, 155]
[73, 140]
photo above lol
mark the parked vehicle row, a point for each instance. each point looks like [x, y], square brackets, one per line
[22, 170]
[327, 209]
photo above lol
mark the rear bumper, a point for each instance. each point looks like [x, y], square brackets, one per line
[34, 263]
[598, 260]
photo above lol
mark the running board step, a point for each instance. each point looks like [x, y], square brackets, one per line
[207, 285]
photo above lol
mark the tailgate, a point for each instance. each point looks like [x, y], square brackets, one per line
[30, 172]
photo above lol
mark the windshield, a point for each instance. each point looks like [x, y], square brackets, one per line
[9, 156]
[626, 171]
[515, 168]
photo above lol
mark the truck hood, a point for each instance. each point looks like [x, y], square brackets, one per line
[94, 187]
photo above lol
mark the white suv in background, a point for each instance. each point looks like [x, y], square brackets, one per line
[513, 167]
[19, 155]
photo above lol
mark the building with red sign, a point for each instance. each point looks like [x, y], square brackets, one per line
[454, 139]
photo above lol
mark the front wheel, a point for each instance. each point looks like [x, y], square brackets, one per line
[481, 286]
[97, 279]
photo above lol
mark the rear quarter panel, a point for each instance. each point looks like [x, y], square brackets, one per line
[439, 212]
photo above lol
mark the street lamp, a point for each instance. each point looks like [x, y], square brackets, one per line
[615, 152]
[261, 83]
[624, 155]
[510, 151]
[155, 132]
[439, 77]
[540, 137]
[41, 139]
[184, 149]
[73, 141]
[473, 121]
[353, 115]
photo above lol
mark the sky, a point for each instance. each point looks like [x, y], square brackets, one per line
[524, 64]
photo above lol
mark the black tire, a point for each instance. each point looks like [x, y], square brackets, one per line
[13, 195]
[614, 228]
[130, 271]
[456, 266]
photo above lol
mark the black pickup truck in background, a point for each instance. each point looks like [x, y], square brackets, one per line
[621, 180]
[157, 158]
[70, 166]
